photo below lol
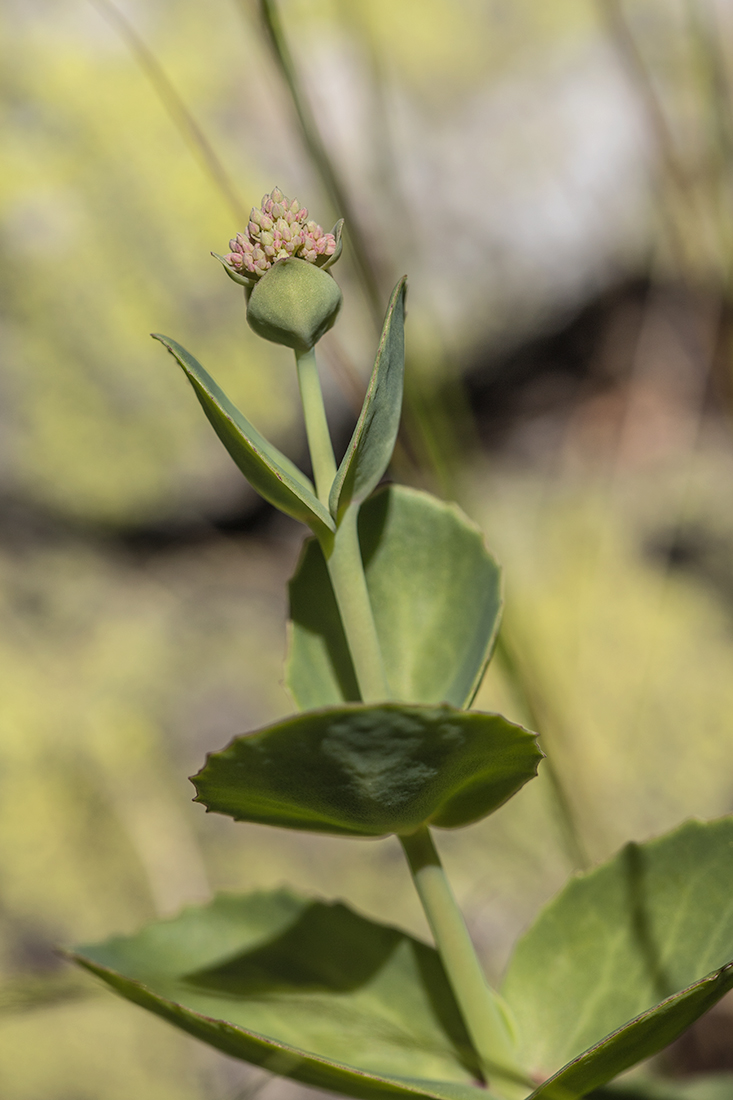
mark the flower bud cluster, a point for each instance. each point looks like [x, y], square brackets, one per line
[278, 230]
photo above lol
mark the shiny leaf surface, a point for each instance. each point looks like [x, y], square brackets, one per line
[370, 770]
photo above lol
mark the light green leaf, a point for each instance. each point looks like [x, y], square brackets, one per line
[650, 930]
[305, 989]
[639, 1039]
[365, 770]
[370, 450]
[436, 596]
[269, 471]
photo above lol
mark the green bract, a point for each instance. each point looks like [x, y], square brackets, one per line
[294, 303]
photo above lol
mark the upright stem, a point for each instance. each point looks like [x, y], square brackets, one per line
[346, 571]
[341, 550]
[316, 425]
[482, 1014]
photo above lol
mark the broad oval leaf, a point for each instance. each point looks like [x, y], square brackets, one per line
[365, 770]
[436, 595]
[267, 469]
[305, 989]
[647, 938]
[370, 451]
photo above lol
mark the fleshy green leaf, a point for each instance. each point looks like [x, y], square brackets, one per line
[370, 770]
[650, 930]
[268, 471]
[370, 450]
[305, 989]
[436, 596]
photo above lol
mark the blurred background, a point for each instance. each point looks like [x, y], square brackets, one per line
[556, 180]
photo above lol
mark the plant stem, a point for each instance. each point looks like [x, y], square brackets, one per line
[341, 550]
[482, 1013]
[316, 425]
[346, 571]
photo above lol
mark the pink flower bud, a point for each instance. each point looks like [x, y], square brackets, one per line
[279, 229]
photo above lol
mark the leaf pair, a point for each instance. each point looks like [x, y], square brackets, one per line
[272, 474]
[618, 965]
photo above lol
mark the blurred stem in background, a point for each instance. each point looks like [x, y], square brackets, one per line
[322, 162]
[189, 129]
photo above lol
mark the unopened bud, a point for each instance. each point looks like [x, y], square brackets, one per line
[294, 303]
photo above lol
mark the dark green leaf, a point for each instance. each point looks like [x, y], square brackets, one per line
[652, 927]
[273, 475]
[436, 596]
[370, 450]
[370, 770]
[305, 989]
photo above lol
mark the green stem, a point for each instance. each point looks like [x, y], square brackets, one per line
[480, 1007]
[316, 424]
[346, 571]
[341, 550]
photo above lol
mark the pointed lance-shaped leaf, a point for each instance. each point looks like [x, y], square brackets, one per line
[270, 472]
[370, 450]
